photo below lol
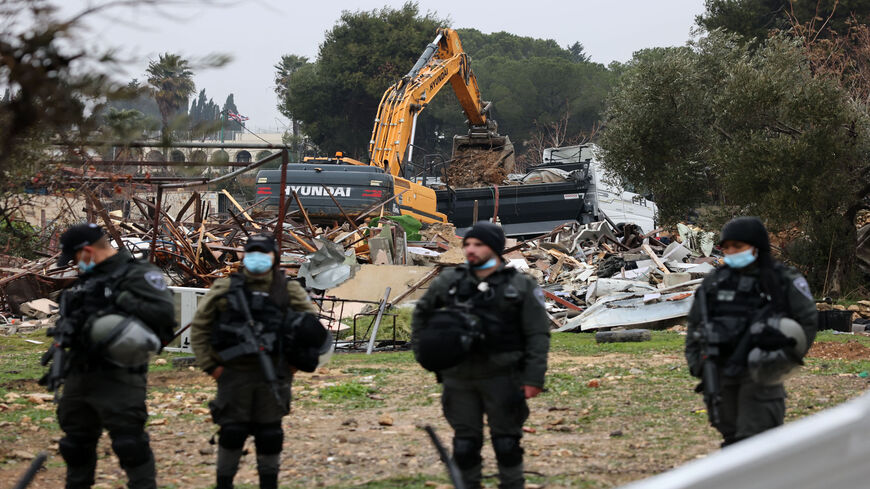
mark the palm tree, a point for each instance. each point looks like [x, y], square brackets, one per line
[172, 82]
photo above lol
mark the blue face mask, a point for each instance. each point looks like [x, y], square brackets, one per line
[740, 260]
[257, 262]
[86, 267]
[489, 264]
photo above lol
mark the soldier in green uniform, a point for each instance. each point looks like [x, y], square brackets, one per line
[483, 329]
[99, 393]
[246, 402]
[749, 301]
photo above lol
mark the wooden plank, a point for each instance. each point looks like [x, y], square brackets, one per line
[379, 205]
[240, 208]
[304, 214]
[246, 209]
[197, 211]
[655, 259]
[557, 268]
[340, 209]
[239, 222]
[156, 224]
[561, 301]
[199, 242]
[110, 226]
[569, 259]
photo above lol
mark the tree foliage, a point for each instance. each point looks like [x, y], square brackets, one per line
[49, 76]
[531, 82]
[204, 117]
[337, 96]
[716, 119]
[285, 69]
[754, 19]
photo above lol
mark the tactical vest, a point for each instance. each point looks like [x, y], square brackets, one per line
[228, 331]
[498, 308]
[735, 301]
[91, 294]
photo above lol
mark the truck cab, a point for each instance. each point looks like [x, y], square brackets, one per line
[606, 196]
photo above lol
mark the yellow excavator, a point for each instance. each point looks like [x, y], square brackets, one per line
[356, 185]
[442, 62]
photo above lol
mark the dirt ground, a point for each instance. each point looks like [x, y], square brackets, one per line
[851, 350]
[608, 418]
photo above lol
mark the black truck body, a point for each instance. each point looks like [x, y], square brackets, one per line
[522, 209]
[526, 209]
[355, 187]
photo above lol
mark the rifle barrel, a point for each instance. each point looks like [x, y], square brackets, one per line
[452, 468]
[28, 476]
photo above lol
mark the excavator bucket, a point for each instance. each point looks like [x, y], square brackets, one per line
[480, 160]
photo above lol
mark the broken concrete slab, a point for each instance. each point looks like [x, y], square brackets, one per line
[380, 250]
[39, 308]
[673, 279]
[370, 281]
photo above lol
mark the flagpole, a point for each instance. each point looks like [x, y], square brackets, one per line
[222, 126]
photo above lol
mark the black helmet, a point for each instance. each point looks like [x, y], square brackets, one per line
[446, 340]
[748, 230]
[308, 345]
[490, 234]
[264, 242]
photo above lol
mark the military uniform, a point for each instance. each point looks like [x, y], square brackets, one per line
[511, 354]
[98, 394]
[245, 404]
[735, 300]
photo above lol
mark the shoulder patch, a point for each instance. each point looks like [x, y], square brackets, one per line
[803, 287]
[155, 280]
[539, 295]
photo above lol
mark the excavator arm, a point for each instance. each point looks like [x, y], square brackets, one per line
[442, 62]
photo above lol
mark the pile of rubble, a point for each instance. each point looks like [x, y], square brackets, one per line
[595, 276]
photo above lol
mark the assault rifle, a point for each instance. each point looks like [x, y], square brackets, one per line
[254, 341]
[708, 338]
[28, 476]
[452, 468]
[62, 335]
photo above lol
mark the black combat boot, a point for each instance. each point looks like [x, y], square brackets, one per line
[143, 476]
[267, 468]
[511, 477]
[227, 466]
[224, 482]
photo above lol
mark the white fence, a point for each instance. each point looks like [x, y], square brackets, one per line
[189, 297]
[829, 450]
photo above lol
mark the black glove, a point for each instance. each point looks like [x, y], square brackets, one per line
[772, 339]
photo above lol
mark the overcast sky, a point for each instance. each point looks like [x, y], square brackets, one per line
[257, 32]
